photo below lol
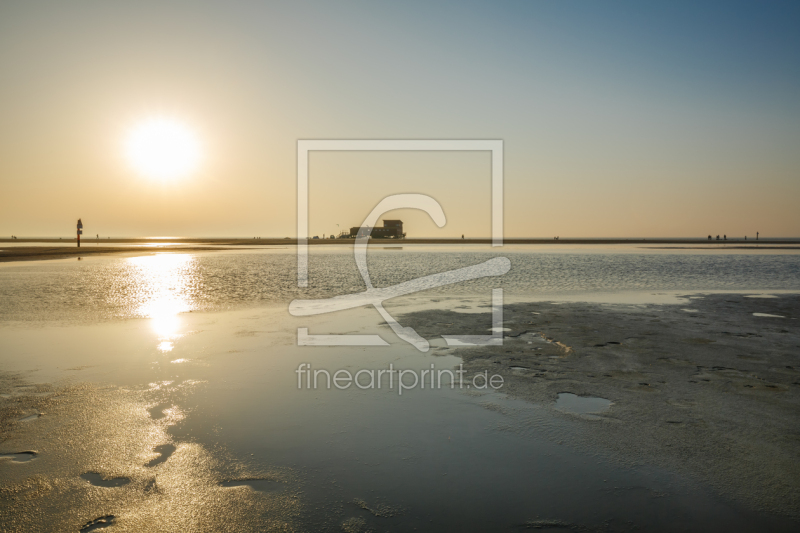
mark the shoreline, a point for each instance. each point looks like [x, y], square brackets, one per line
[42, 253]
[291, 241]
[38, 249]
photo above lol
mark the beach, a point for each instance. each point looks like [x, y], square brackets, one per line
[144, 389]
[364, 267]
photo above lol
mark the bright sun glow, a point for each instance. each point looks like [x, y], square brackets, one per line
[163, 148]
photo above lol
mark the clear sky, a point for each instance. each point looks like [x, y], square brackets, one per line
[619, 118]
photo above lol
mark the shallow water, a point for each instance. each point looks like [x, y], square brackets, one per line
[99, 481]
[100, 288]
[19, 457]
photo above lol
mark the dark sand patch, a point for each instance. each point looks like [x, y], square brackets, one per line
[712, 399]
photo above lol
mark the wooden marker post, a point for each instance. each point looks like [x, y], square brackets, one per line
[80, 230]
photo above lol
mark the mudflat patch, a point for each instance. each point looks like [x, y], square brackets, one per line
[710, 391]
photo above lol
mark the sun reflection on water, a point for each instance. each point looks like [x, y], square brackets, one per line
[161, 287]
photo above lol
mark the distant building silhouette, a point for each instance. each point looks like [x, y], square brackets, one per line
[392, 229]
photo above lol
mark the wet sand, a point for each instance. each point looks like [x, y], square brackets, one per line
[211, 433]
[705, 388]
[97, 461]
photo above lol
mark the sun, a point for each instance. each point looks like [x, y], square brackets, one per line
[163, 148]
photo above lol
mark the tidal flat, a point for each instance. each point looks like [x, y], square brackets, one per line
[697, 431]
[712, 391]
[151, 410]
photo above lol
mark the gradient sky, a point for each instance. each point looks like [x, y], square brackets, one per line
[619, 118]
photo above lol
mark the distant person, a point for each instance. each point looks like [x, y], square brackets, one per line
[756, 235]
[724, 237]
[745, 237]
[709, 237]
[462, 236]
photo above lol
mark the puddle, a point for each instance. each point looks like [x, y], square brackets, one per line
[498, 330]
[19, 457]
[768, 315]
[760, 296]
[166, 450]
[260, 485]
[519, 368]
[98, 523]
[97, 480]
[581, 405]
[157, 412]
[691, 310]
